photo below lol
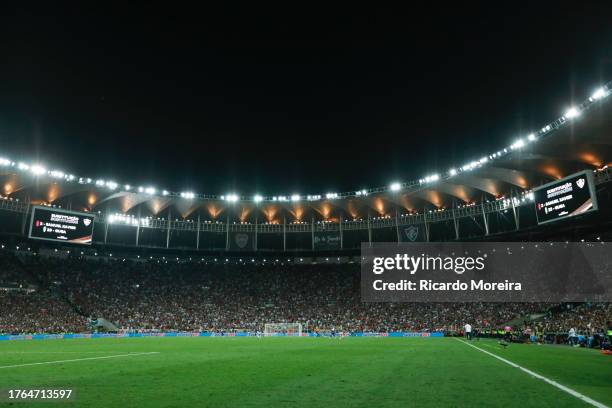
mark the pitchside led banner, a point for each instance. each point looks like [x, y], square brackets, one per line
[487, 272]
[571, 196]
[53, 224]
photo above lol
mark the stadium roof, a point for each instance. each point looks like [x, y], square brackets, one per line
[578, 140]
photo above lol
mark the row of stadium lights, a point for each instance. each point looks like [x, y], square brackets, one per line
[572, 113]
[243, 261]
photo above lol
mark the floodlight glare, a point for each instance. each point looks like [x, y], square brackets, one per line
[38, 170]
[258, 198]
[518, 144]
[395, 186]
[295, 197]
[598, 94]
[232, 198]
[149, 190]
[572, 113]
[531, 137]
[111, 184]
[452, 172]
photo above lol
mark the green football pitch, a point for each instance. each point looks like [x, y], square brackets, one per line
[309, 372]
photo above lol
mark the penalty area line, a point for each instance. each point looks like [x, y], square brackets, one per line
[74, 360]
[541, 377]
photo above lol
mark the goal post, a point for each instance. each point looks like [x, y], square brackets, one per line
[283, 329]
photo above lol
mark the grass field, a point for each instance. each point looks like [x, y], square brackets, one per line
[309, 372]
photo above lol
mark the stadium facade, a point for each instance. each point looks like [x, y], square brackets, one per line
[488, 198]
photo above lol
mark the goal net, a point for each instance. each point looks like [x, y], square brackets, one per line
[283, 329]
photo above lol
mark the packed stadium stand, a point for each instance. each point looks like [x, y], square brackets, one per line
[63, 293]
[158, 260]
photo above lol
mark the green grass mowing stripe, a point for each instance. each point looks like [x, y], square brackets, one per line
[541, 377]
[229, 372]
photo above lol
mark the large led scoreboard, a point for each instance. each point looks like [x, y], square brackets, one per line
[54, 224]
[568, 197]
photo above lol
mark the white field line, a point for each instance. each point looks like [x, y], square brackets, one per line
[56, 352]
[79, 359]
[541, 377]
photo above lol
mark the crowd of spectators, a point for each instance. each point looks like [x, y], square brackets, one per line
[53, 294]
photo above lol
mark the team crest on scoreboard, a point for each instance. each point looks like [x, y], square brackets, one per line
[412, 233]
[241, 240]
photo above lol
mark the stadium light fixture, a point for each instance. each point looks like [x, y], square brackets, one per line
[38, 169]
[531, 137]
[165, 192]
[331, 196]
[452, 172]
[150, 190]
[111, 185]
[430, 179]
[188, 195]
[295, 197]
[127, 187]
[258, 198]
[599, 93]
[4, 162]
[518, 144]
[572, 113]
[232, 198]
[395, 186]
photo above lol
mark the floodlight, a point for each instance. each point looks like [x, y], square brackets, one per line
[518, 144]
[395, 186]
[38, 169]
[572, 113]
[599, 93]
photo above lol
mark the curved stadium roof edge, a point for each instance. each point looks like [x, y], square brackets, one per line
[579, 143]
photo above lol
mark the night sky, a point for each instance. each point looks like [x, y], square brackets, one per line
[273, 101]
